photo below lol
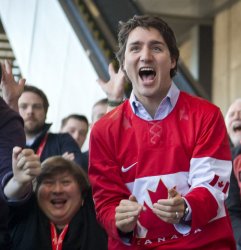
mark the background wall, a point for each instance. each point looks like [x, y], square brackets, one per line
[226, 86]
[50, 56]
[227, 57]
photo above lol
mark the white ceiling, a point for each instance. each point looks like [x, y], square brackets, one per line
[182, 15]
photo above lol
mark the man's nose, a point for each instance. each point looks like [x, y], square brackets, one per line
[29, 109]
[76, 135]
[237, 115]
[146, 55]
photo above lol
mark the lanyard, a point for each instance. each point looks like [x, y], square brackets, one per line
[41, 146]
[57, 241]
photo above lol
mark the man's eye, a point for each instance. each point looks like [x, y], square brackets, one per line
[47, 182]
[134, 48]
[82, 133]
[158, 49]
[37, 106]
[22, 106]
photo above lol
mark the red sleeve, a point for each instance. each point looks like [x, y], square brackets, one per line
[210, 170]
[107, 185]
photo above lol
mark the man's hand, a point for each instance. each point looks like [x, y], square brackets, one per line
[170, 210]
[68, 156]
[26, 165]
[115, 87]
[127, 213]
[11, 90]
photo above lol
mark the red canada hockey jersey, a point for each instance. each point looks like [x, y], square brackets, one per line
[188, 150]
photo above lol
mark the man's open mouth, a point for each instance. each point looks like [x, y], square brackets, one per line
[147, 73]
[237, 127]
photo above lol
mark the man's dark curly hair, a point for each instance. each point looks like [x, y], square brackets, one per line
[147, 22]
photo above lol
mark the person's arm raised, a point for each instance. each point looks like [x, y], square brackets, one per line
[26, 166]
[114, 88]
[11, 90]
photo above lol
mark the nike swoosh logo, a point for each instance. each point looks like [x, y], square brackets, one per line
[125, 169]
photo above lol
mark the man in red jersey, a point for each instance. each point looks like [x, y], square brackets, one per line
[160, 162]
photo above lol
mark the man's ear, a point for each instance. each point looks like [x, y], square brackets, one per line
[173, 63]
[126, 76]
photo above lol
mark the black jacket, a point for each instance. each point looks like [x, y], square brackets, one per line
[11, 134]
[4, 235]
[56, 144]
[85, 160]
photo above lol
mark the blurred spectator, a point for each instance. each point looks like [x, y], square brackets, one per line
[11, 134]
[99, 109]
[33, 106]
[233, 122]
[77, 126]
[233, 202]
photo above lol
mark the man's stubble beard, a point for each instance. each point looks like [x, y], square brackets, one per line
[32, 131]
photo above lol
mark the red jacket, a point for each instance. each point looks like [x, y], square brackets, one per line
[188, 150]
